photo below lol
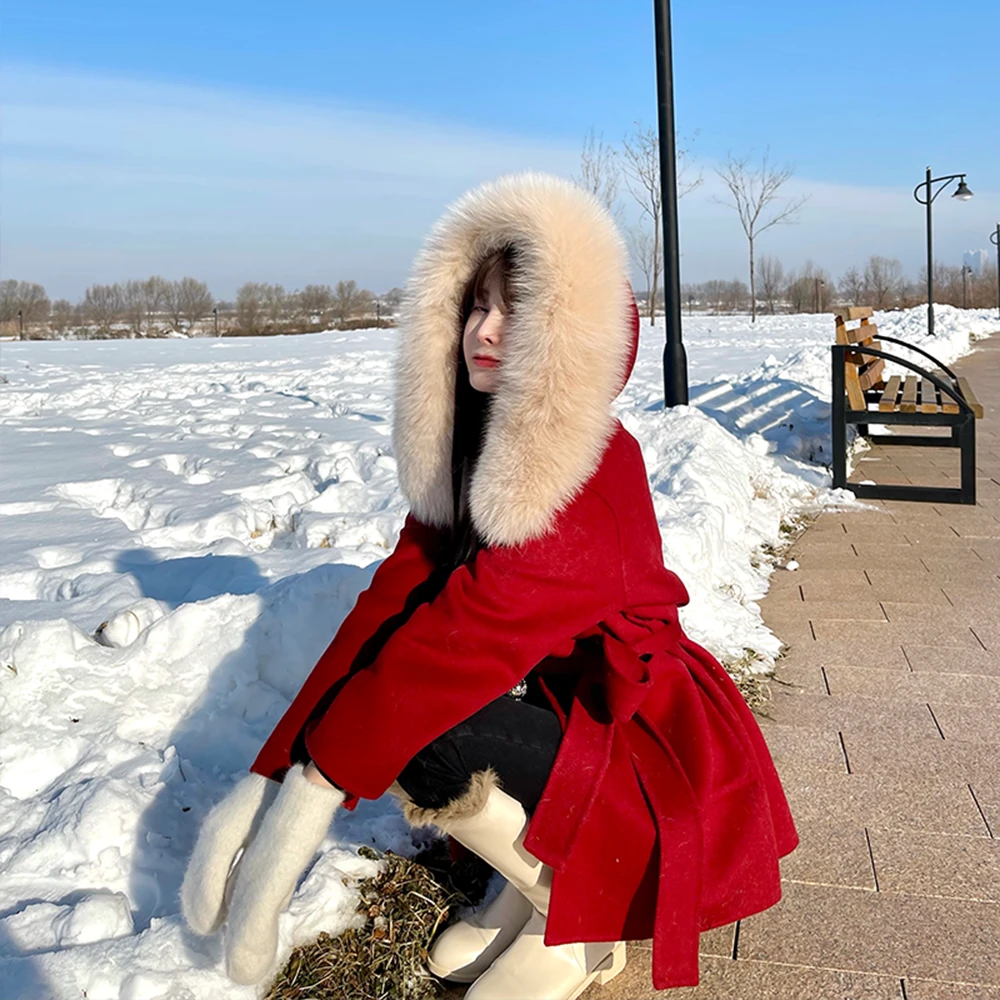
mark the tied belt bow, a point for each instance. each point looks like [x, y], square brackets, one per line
[625, 674]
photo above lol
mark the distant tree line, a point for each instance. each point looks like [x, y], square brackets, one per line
[880, 283]
[155, 307]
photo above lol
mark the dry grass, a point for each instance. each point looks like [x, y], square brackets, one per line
[405, 905]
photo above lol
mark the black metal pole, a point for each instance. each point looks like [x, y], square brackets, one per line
[965, 297]
[20, 324]
[930, 262]
[215, 313]
[675, 384]
[995, 240]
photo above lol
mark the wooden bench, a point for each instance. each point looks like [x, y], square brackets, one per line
[861, 396]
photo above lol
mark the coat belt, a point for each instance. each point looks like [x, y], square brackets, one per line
[629, 670]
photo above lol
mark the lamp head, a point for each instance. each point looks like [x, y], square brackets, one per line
[962, 192]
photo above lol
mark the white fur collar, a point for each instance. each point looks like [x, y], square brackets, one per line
[567, 351]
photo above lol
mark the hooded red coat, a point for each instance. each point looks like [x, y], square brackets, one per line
[663, 815]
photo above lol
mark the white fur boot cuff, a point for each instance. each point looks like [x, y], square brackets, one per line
[289, 836]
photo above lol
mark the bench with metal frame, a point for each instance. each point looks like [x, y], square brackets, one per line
[861, 397]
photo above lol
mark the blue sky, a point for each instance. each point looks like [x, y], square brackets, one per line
[320, 140]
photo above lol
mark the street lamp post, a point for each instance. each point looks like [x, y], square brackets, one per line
[995, 240]
[966, 271]
[20, 324]
[215, 315]
[962, 193]
[820, 284]
[675, 386]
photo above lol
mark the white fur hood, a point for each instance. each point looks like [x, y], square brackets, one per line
[569, 347]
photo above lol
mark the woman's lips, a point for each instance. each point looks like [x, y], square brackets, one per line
[485, 362]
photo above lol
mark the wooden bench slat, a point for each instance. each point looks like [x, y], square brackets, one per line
[928, 397]
[852, 312]
[855, 395]
[857, 335]
[872, 375]
[888, 401]
[908, 404]
[970, 397]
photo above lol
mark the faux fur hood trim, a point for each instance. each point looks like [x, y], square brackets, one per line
[568, 349]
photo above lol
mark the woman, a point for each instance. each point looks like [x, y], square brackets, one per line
[516, 672]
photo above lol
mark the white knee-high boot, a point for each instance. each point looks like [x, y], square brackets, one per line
[466, 949]
[492, 824]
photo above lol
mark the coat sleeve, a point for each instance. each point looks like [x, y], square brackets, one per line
[495, 619]
[379, 609]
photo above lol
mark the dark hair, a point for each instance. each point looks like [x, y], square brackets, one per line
[472, 408]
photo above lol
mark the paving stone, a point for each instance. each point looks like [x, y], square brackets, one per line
[823, 712]
[930, 989]
[877, 932]
[725, 979]
[986, 789]
[868, 531]
[963, 566]
[893, 801]
[834, 576]
[910, 611]
[923, 685]
[830, 853]
[951, 659]
[806, 677]
[988, 635]
[851, 608]
[792, 631]
[818, 749]
[827, 651]
[871, 750]
[889, 633]
[934, 864]
[971, 723]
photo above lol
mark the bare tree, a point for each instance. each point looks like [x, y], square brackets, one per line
[883, 280]
[806, 289]
[276, 300]
[26, 297]
[641, 156]
[134, 306]
[393, 298]
[599, 170]
[772, 280]
[251, 302]
[752, 190]
[852, 287]
[316, 301]
[645, 254]
[63, 316]
[186, 301]
[103, 307]
[348, 300]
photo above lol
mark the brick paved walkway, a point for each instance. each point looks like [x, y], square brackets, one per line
[885, 728]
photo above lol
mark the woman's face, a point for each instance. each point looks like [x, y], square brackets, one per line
[482, 340]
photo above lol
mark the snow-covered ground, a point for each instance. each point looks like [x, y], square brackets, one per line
[183, 526]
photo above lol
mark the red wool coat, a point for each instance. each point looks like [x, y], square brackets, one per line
[663, 815]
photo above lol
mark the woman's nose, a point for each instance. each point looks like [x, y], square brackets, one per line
[491, 329]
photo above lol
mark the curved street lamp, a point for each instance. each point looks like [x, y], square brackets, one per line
[962, 193]
[995, 240]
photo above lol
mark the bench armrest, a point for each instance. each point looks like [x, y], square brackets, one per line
[842, 349]
[920, 350]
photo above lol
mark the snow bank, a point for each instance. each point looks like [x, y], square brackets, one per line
[183, 526]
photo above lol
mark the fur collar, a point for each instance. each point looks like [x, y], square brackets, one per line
[568, 351]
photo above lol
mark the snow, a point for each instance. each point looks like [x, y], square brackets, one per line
[183, 526]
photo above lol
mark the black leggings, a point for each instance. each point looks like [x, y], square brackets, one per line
[518, 739]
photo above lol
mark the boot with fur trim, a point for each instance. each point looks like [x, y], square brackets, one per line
[466, 949]
[492, 824]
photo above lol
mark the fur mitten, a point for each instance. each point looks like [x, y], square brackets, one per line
[289, 835]
[226, 830]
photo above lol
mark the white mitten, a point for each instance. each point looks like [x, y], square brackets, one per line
[289, 835]
[227, 829]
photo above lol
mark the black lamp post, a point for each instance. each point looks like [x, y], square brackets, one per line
[675, 385]
[820, 284]
[966, 271]
[215, 315]
[995, 240]
[962, 193]
[20, 324]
